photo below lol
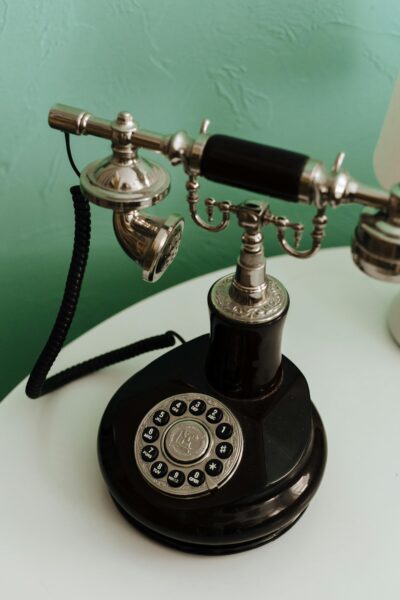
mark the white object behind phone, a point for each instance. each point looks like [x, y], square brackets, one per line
[387, 152]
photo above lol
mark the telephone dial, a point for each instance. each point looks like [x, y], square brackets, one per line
[216, 446]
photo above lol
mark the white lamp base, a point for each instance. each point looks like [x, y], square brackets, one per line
[394, 319]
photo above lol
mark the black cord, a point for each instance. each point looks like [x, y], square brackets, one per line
[37, 384]
[178, 337]
[69, 154]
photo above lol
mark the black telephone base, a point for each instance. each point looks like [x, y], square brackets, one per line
[281, 466]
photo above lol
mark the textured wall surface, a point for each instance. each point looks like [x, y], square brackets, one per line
[313, 76]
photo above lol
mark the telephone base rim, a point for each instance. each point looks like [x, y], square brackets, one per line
[204, 549]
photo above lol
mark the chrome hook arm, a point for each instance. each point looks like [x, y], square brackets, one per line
[282, 224]
[192, 186]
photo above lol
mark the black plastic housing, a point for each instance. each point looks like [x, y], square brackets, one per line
[244, 359]
[280, 471]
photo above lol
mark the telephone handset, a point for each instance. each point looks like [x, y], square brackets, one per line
[216, 446]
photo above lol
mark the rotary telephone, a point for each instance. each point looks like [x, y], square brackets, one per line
[216, 447]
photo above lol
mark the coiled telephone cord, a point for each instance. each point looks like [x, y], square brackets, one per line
[38, 384]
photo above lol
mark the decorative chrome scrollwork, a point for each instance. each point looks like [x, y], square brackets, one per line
[282, 224]
[193, 198]
[259, 215]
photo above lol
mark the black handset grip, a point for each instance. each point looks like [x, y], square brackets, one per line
[255, 167]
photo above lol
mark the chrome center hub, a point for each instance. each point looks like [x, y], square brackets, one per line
[186, 441]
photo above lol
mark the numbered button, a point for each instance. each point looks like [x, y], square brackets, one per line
[197, 407]
[161, 417]
[224, 450]
[224, 431]
[149, 453]
[214, 415]
[178, 408]
[150, 434]
[214, 467]
[196, 478]
[159, 469]
[176, 478]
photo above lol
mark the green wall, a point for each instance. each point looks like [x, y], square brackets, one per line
[313, 76]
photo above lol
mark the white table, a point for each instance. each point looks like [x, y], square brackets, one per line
[61, 536]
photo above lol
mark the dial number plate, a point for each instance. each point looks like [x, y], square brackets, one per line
[188, 441]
